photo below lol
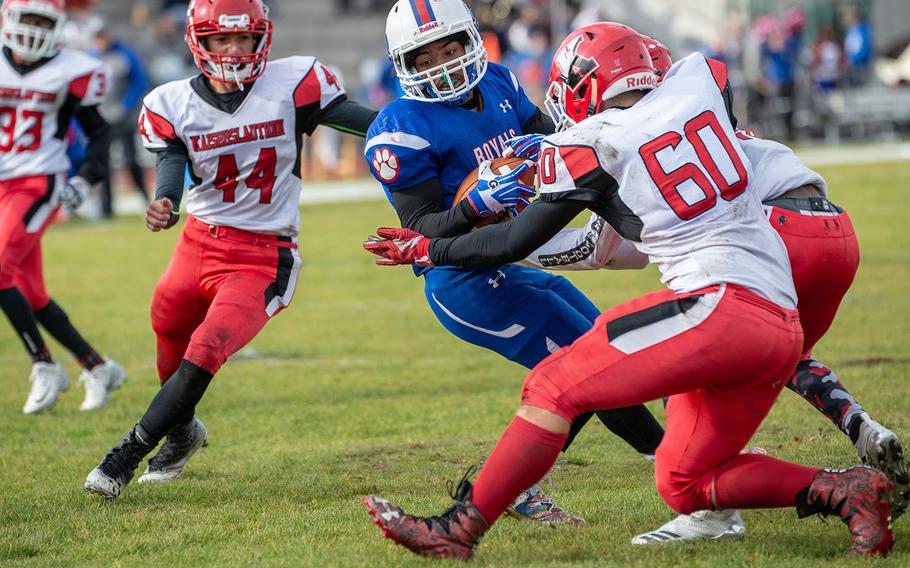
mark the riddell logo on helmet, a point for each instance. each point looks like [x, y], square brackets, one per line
[428, 27]
[644, 80]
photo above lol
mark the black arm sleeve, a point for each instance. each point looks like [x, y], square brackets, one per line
[170, 165]
[418, 209]
[507, 242]
[540, 123]
[347, 116]
[98, 131]
[727, 94]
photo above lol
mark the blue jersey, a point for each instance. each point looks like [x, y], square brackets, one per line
[521, 313]
[412, 141]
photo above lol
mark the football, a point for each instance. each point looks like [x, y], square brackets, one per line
[499, 166]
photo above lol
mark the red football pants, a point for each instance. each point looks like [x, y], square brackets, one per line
[27, 206]
[723, 354]
[220, 288]
[824, 255]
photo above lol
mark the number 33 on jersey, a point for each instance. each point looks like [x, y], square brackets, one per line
[245, 164]
[36, 107]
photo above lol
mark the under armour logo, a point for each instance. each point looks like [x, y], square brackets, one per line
[389, 515]
[494, 282]
[506, 106]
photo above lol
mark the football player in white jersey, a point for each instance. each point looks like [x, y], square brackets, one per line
[824, 256]
[43, 86]
[663, 167]
[239, 126]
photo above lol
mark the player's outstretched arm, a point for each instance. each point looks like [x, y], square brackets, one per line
[488, 246]
[347, 116]
[419, 208]
[593, 247]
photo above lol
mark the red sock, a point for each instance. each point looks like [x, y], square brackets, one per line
[524, 454]
[759, 482]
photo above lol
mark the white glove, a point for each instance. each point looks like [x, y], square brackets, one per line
[74, 193]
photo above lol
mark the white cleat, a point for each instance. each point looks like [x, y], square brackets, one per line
[48, 381]
[99, 382]
[104, 485]
[700, 525]
[879, 447]
[175, 452]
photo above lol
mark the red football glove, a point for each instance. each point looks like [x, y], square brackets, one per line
[399, 246]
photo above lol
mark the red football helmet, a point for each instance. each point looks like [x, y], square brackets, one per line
[660, 56]
[595, 63]
[206, 18]
[29, 41]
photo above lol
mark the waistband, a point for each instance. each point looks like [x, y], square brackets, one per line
[805, 205]
[749, 296]
[239, 235]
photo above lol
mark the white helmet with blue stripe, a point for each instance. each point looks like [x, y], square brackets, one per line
[414, 23]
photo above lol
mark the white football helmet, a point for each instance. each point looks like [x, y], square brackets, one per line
[415, 23]
[29, 41]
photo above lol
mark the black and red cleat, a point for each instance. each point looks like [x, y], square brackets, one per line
[454, 534]
[859, 496]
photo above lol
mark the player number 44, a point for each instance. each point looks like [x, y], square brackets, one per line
[262, 177]
[669, 182]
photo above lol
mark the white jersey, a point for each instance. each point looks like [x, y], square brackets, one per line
[669, 175]
[597, 245]
[245, 165]
[36, 105]
[777, 169]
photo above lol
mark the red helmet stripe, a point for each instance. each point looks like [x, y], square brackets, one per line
[423, 11]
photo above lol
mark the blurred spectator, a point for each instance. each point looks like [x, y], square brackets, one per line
[827, 60]
[857, 46]
[128, 84]
[780, 55]
[163, 49]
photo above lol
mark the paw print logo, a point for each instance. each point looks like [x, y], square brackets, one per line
[385, 163]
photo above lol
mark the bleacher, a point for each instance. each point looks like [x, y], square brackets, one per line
[874, 111]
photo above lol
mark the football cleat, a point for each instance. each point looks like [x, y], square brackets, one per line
[99, 382]
[118, 467]
[879, 447]
[179, 446]
[453, 534]
[859, 496]
[535, 505]
[48, 381]
[700, 525]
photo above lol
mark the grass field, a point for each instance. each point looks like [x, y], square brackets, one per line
[356, 388]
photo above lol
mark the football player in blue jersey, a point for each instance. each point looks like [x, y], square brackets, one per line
[459, 112]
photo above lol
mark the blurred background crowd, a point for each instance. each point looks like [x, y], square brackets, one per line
[802, 70]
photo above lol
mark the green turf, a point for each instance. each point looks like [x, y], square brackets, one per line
[358, 389]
